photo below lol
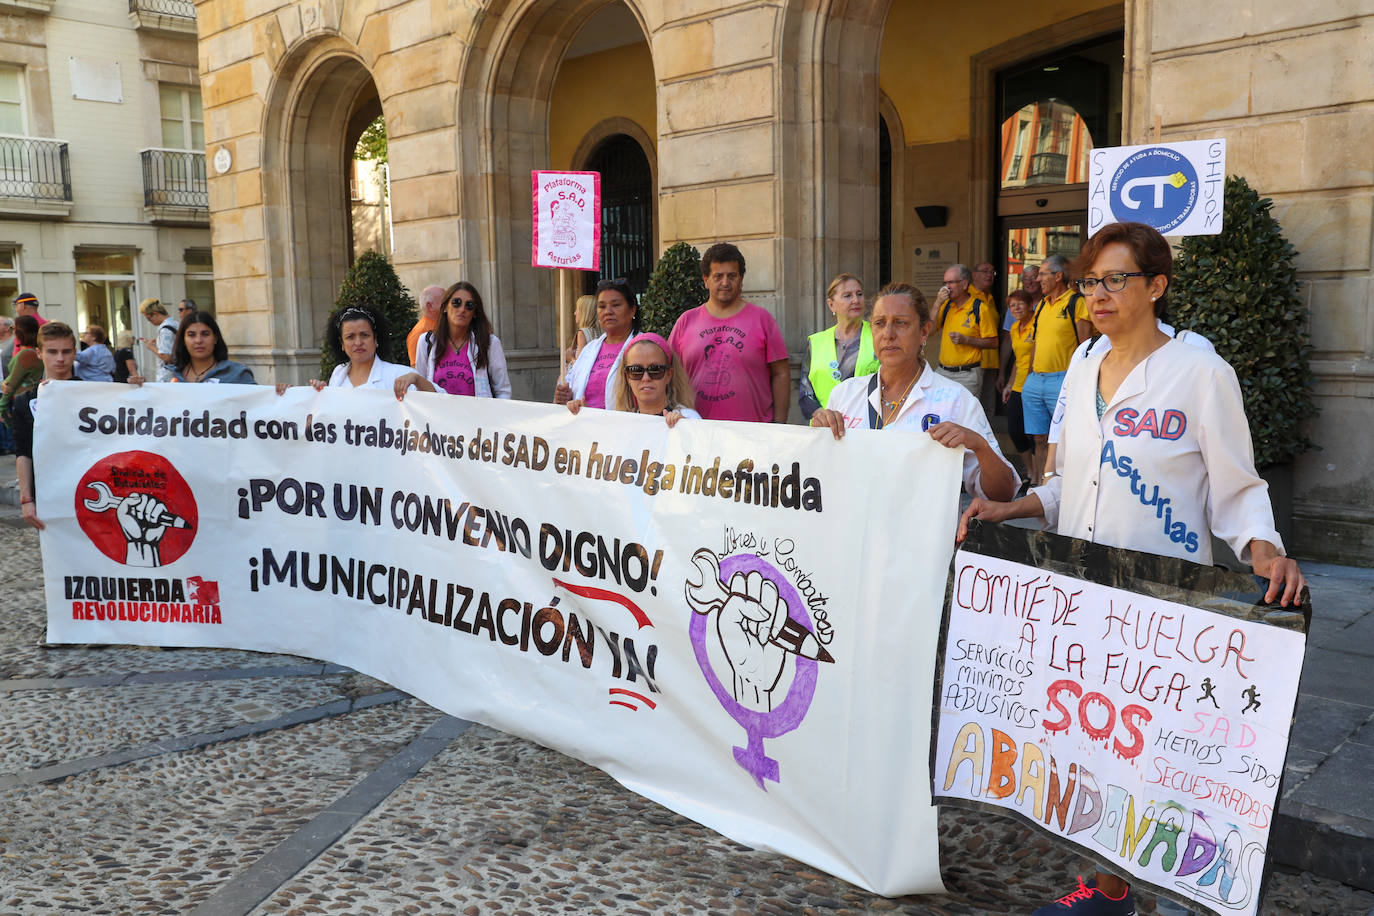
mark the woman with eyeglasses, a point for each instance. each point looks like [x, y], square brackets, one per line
[1154, 454]
[840, 352]
[356, 338]
[906, 394]
[592, 377]
[461, 355]
[652, 381]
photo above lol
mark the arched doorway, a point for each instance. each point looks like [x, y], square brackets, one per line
[324, 99]
[627, 224]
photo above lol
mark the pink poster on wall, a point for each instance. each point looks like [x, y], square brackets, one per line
[566, 220]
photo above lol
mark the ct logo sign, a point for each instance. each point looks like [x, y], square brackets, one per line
[1156, 186]
[1176, 188]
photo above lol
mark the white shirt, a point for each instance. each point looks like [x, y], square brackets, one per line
[1169, 463]
[934, 399]
[1104, 344]
[494, 381]
[383, 376]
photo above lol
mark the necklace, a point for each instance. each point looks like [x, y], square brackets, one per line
[891, 408]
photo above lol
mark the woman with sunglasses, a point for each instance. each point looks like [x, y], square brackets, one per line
[652, 381]
[841, 352]
[592, 376]
[1154, 454]
[461, 355]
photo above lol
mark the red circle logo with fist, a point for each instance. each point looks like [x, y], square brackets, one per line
[136, 509]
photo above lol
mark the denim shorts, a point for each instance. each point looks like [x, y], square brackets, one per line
[1038, 397]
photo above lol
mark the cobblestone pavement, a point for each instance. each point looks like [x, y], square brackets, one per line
[225, 782]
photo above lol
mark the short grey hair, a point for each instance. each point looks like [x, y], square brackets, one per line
[6, 321]
[1056, 264]
[964, 273]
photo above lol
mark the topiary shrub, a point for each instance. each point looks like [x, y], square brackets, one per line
[674, 287]
[1239, 289]
[371, 283]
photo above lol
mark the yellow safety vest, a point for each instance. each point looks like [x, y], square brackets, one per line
[825, 367]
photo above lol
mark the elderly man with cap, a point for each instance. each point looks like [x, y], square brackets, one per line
[27, 304]
[164, 344]
[431, 303]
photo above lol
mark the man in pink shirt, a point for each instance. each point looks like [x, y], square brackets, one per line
[27, 304]
[733, 350]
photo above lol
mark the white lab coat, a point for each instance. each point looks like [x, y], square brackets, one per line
[494, 381]
[580, 372]
[1169, 463]
[1104, 344]
[934, 399]
[383, 376]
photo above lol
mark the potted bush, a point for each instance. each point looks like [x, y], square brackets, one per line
[372, 283]
[674, 287]
[1240, 290]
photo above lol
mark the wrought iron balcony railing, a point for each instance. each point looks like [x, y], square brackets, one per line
[1048, 168]
[34, 168]
[175, 178]
[184, 9]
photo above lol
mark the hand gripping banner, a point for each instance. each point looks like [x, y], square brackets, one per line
[1132, 705]
[738, 621]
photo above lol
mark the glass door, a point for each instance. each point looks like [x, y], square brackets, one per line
[1028, 241]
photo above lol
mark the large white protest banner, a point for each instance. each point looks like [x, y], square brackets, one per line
[1148, 731]
[736, 620]
[1175, 187]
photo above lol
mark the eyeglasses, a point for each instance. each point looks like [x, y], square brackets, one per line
[1115, 283]
[656, 371]
[617, 283]
[469, 304]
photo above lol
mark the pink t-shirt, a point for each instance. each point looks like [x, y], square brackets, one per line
[727, 360]
[595, 395]
[453, 373]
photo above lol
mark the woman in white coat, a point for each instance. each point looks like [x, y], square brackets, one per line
[461, 355]
[593, 375]
[905, 393]
[1154, 454]
[356, 338]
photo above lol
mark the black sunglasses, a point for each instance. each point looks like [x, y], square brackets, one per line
[656, 371]
[469, 304]
[616, 284]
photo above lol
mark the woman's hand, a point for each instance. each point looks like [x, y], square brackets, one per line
[575, 406]
[563, 394]
[318, 385]
[1006, 394]
[671, 418]
[30, 513]
[150, 344]
[832, 420]
[6, 388]
[405, 382]
[952, 435]
[281, 388]
[1286, 581]
[137, 381]
[984, 510]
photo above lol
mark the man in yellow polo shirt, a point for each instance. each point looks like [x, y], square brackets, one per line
[967, 325]
[984, 278]
[1060, 324]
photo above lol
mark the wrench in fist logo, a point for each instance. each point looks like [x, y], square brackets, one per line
[749, 614]
[142, 517]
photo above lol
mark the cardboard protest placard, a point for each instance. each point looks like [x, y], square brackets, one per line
[566, 219]
[1175, 187]
[1132, 705]
[726, 617]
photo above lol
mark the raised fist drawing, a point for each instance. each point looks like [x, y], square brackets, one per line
[749, 614]
[143, 518]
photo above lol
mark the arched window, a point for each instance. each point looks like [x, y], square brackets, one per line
[1045, 143]
[627, 225]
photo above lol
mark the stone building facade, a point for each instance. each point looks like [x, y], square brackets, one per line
[883, 137]
[103, 198]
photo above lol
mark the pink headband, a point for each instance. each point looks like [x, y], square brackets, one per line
[651, 337]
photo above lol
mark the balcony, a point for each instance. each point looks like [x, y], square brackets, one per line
[1048, 168]
[175, 192]
[164, 15]
[26, 6]
[35, 177]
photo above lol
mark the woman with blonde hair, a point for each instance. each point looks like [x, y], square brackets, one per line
[651, 380]
[841, 352]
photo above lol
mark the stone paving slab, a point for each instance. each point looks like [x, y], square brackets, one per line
[160, 835]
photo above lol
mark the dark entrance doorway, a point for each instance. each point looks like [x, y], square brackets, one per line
[627, 219]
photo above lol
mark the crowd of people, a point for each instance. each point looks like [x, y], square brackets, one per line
[1082, 353]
